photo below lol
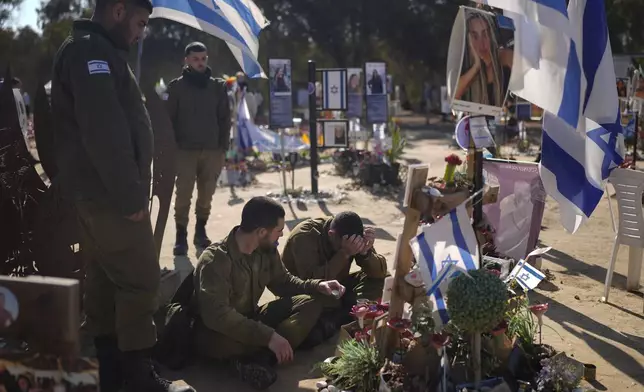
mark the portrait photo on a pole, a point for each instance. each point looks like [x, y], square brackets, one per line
[281, 90]
[336, 133]
[479, 62]
[356, 92]
[375, 79]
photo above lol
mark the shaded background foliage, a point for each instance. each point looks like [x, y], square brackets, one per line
[412, 36]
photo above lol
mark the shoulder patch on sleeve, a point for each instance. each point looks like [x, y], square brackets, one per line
[98, 67]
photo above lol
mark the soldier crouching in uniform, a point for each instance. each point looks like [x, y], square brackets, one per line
[229, 281]
[104, 147]
[325, 248]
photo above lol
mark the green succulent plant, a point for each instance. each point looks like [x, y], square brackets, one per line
[476, 303]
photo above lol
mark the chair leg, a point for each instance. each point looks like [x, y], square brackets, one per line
[611, 268]
[634, 268]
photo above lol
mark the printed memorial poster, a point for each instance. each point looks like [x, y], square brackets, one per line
[281, 99]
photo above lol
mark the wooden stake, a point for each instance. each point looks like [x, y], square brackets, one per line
[416, 180]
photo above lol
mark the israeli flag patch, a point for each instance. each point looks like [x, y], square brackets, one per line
[98, 67]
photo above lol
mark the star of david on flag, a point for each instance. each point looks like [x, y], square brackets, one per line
[563, 63]
[527, 276]
[443, 250]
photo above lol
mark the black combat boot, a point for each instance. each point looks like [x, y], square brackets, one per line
[201, 240]
[140, 375]
[257, 370]
[181, 243]
[110, 371]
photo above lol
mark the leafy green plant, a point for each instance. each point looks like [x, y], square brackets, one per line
[477, 303]
[398, 143]
[357, 367]
[421, 318]
[521, 324]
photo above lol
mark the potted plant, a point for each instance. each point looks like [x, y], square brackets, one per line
[394, 154]
[477, 304]
[357, 367]
[558, 374]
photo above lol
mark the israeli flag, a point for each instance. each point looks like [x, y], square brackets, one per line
[334, 83]
[526, 275]
[244, 140]
[238, 22]
[574, 82]
[448, 244]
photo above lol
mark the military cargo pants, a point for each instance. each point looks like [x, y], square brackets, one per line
[202, 167]
[122, 276]
[291, 317]
[360, 286]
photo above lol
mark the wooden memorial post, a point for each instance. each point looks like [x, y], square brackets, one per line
[414, 200]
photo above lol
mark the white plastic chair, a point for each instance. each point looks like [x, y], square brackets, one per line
[629, 186]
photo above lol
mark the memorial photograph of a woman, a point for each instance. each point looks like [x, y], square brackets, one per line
[487, 65]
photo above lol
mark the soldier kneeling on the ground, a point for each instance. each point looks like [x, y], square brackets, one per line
[325, 248]
[229, 281]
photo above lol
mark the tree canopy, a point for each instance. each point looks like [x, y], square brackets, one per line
[412, 36]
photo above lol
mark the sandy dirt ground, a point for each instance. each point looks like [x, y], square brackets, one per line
[611, 336]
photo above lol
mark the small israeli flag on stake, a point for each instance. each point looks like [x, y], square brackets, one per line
[98, 67]
[527, 276]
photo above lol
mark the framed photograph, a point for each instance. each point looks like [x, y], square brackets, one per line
[281, 90]
[336, 133]
[376, 78]
[355, 81]
[356, 92]
[279, 73]
[480, 62]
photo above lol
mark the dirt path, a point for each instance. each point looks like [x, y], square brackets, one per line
[609, 336]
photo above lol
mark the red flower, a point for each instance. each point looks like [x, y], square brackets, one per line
[453, 159]
[538, 310]
[439, 340]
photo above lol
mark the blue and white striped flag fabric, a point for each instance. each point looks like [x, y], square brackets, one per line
[238, 22]
[527, 276]
[244, 140]
[448, 244]
[574, 83]
[335, 89]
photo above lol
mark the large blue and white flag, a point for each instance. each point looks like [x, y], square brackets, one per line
[574, 83]
[251, 136]
[238, 22]
[448, 244]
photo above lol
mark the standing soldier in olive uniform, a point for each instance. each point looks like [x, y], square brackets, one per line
[229, 280]
[325, 248]
[200, 113]
[104, 146]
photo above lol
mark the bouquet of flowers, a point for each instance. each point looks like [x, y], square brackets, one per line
[557, 375]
